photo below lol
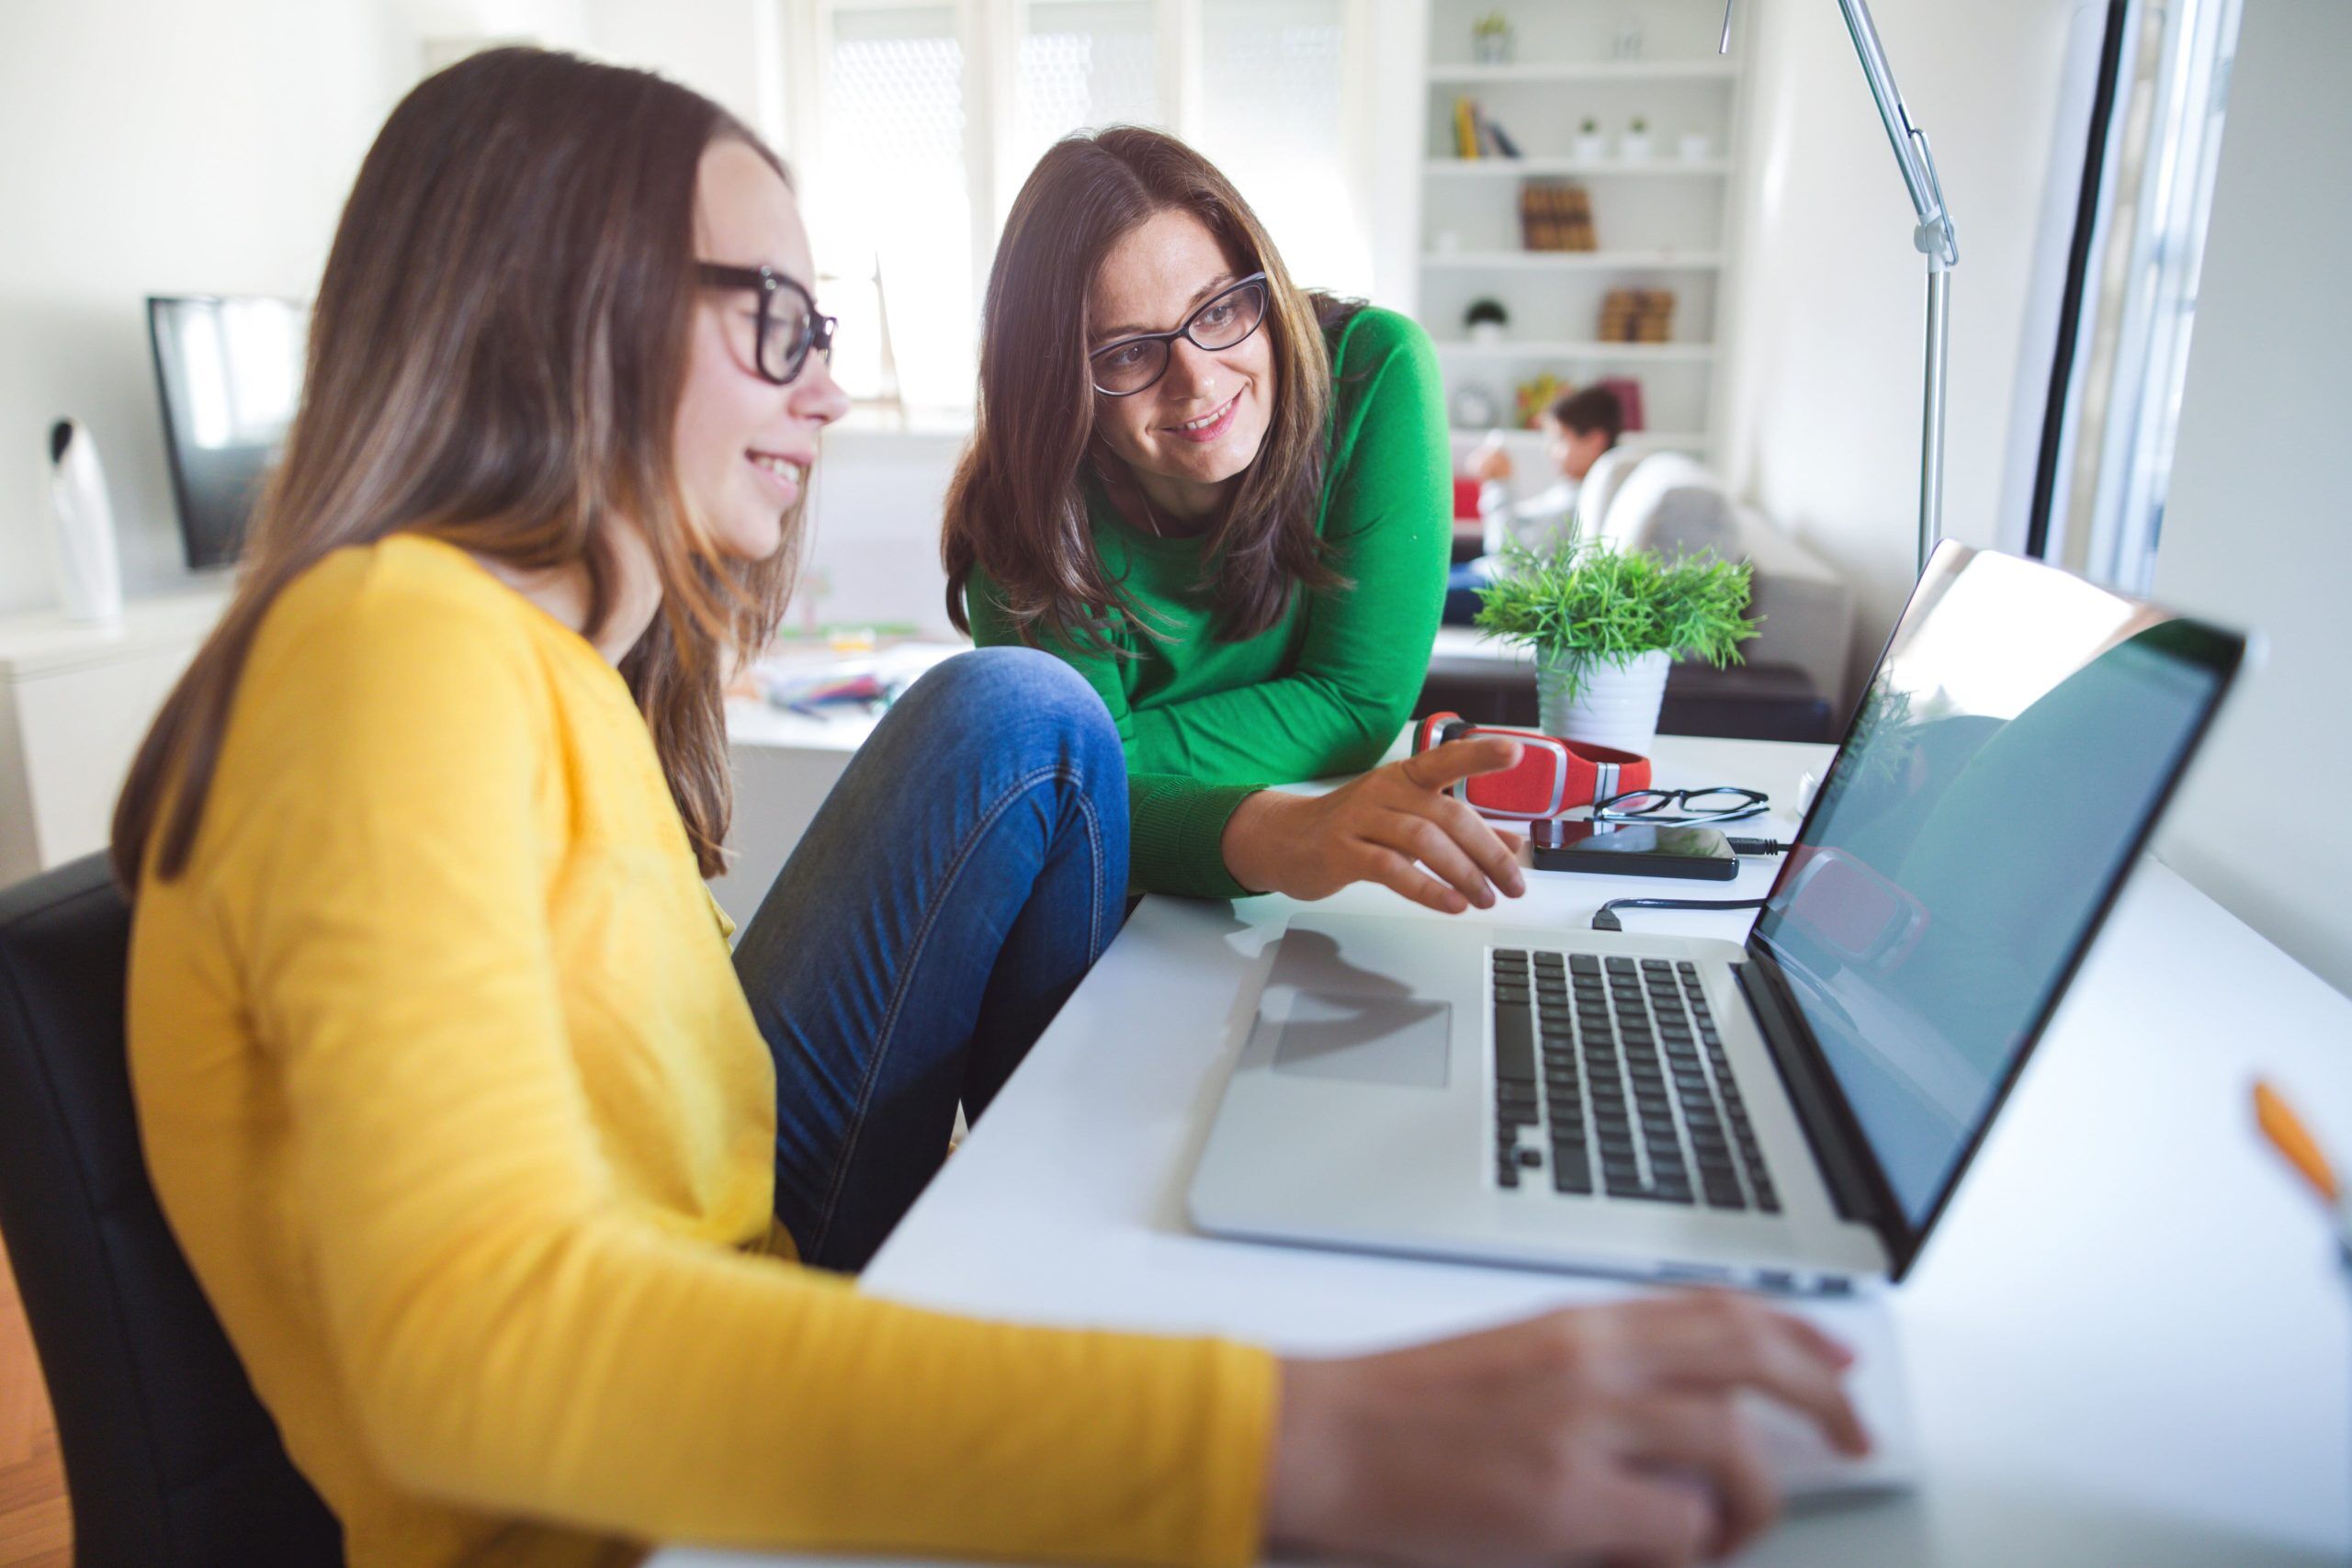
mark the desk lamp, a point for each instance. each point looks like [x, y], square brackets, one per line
[1934, 237]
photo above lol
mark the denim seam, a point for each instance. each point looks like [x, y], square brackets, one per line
[1094, 905]
[1020, 786]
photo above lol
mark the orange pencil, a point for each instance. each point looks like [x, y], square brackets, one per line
[2295, 1144]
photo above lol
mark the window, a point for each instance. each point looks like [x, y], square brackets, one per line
[2123, 350]
[915, 125]
[1271, 110]
[892, 211]
[1082, 64]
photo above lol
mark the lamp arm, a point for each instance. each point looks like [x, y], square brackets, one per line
[1933, 235]
[1936, 238]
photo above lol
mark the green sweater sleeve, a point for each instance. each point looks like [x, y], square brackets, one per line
[1388, 515]
[1175, 823]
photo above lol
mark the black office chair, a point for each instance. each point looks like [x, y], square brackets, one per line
[170, 1460]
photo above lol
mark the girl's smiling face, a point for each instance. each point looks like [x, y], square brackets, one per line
[744, 444]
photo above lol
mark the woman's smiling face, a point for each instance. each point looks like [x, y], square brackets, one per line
[1192, 432]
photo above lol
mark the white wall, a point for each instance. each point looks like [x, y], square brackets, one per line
[1391, 125]
[2258, 529]
[150, 147]
[875, 505]
[1824, 360]
[712, 46]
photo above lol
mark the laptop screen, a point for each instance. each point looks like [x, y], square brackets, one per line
[2001, 773]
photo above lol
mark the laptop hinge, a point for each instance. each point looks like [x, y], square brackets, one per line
[1856, 1186]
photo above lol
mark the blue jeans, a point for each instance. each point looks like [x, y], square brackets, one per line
[1463, 598]
[961, 878]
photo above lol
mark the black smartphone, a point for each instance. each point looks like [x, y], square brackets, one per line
[1631, 848]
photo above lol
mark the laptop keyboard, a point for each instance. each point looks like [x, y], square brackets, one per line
[1611, 1081]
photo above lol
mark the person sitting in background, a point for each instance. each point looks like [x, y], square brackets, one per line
[1577, 428]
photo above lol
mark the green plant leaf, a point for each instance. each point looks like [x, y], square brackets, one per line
[1590, 604]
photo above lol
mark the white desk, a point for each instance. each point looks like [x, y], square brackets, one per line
[786, 762]
[76, 701]
[2125, 1344]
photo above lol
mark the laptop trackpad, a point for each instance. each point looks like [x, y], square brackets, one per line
[1369, 1038]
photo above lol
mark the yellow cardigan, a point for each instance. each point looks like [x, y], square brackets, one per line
[452, 1098]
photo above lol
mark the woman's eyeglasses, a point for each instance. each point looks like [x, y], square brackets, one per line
[1123, 369]
[789, 329]
[1721, 804]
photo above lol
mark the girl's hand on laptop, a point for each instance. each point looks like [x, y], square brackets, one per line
[1385, 827]
[1606, 1432]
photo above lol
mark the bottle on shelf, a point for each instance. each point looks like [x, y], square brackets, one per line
[82, 549]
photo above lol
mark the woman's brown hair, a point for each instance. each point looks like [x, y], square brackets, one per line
[1017, 507]
[496, 356]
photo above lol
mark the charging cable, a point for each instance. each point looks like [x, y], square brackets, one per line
[1605, 917]
[1757, 846]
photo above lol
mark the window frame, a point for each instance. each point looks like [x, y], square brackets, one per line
[2129, 309]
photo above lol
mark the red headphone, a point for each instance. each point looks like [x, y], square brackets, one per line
[1552, 775]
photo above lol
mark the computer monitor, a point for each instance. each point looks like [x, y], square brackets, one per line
[230, 371]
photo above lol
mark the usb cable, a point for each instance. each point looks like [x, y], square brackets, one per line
[1605, 917]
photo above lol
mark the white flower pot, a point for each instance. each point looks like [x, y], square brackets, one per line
[1633, 146]
[1590, 147]
[1616, 705]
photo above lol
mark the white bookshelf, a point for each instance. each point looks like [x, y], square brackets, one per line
[1526, 446]
[1651, 168]
[1586, 71]
[1586, 353]
[1569, 261]
[1662, 219]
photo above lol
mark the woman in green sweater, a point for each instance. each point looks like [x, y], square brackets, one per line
[1225, 502]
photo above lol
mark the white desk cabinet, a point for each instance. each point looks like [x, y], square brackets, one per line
[74, 703]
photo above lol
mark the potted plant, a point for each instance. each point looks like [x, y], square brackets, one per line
[1486, 322]
[1490, 39]
[1604, 624]
[1590, 146]
[1635, 143]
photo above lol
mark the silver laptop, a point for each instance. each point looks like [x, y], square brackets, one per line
[1792, 1114]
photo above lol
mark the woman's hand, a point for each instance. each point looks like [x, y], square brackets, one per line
[1375, 828]
[1601, 1431]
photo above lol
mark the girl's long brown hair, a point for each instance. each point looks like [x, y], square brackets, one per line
[496, 356]
[1017, 505]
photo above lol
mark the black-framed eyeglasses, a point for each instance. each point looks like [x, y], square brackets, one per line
[1723, 802]
[790, 328]
[1123, 369]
